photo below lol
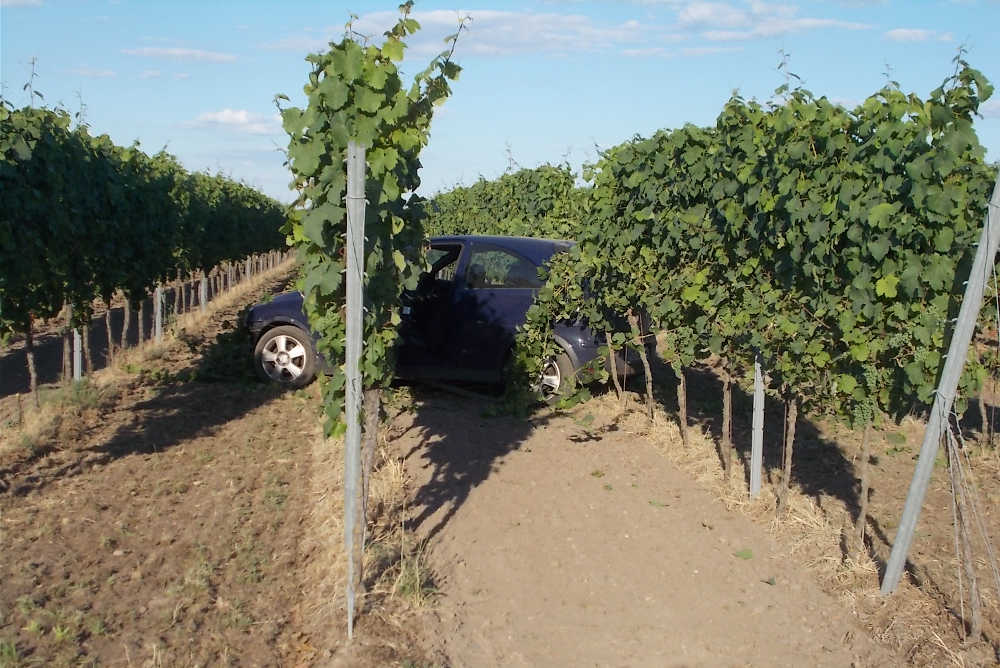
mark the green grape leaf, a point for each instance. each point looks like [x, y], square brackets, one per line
[886, 286]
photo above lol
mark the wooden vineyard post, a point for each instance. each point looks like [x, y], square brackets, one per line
[757, 441]
[937, 423]
[126, 321]
[203, 293]
[108, 331]
[29, 351]
[158, 314]
[862, 521]
[354, 520]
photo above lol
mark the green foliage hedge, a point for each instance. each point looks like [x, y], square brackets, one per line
[832, 242]
[542, 202]
[81, 218]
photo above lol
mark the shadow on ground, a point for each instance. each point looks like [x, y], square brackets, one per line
[819, 465]
[158, 408]
[463, 444]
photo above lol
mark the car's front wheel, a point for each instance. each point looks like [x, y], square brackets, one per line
[285, 355]
[558, 378]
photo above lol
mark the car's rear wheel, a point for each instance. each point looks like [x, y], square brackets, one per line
[285, 355]
[558, 378]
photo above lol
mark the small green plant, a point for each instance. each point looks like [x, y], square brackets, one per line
[250, 561]
[276, 493]
[897, 442]
[597, 473]
[234, 614]
[29, 443]
[199, 576]
[414, 581]
[26, 605]
[34, 627]
[95, 626]
[9, 656]
[62, 633]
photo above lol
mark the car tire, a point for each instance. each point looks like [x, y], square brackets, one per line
[558, 378]
[285, 355]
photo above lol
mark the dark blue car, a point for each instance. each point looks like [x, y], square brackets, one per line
[458, 325]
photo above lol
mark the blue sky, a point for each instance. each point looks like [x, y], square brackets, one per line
[543, 81]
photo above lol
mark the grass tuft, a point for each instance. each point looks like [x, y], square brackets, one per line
[415, 581]
[9, 656]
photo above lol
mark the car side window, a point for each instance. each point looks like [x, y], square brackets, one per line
[444, 261]
[493, 268]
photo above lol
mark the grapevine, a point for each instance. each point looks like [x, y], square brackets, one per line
[826, 240]
[82, 218]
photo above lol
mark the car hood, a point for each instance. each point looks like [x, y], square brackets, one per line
[293, 298]
[286, 307]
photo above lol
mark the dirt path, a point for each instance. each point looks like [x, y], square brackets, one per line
[582, 545]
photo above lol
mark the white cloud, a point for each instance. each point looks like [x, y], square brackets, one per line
[491, 32]
[692, 51]
[909, 35]
[20, 3]
[734, 21]
[657, 51]
[715, 14]
[182, 75]
[709, 50]
[776, 27]
[990, 109]
[175, 53]
[917, 35]
[501, 33]
[93, 72]
[150, 74]
[239, 120]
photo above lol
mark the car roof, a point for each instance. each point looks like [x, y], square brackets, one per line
[536, 250]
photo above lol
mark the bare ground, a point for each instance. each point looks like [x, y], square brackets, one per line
[172, 511]
[575, 542]
[175, 511]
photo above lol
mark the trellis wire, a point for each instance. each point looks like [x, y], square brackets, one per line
[972, 495]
